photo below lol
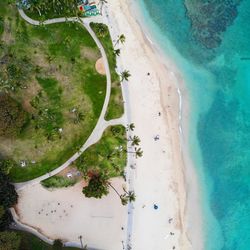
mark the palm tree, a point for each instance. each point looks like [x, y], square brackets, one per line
[79, 116]
[78, 15]
[131, 126]
[130, 194]
[114, 189]
[78, 148]
[138, 152]
[121, 39]
[135, 140]
[101, 29]
[126, 197]
[36, 5]
[49, 58]
[80, 238]
[117, 52]
[125, 75]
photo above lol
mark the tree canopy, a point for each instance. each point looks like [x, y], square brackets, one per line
[9, 240]
[101, 29]
[12, 116]
[6, 165]
[8, 195]
[57, 245]
[8, 198]
[97, 186]
[51, 8]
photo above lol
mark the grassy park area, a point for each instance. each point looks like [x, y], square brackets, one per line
[108, 155]
[49, 84]
[44, 10]
[49, 71]
[116, 107]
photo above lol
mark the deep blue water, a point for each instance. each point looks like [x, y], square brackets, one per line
[210, 42]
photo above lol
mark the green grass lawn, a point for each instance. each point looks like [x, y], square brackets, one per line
[116, 107]
[31, 242]
[108, 155]
[50, 71]
[1, 26]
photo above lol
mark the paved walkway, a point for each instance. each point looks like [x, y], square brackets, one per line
[102, 124]
[131, 161]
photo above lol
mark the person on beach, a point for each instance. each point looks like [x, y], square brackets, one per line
[157, 137]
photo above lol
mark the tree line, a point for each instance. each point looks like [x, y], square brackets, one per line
[8, 198]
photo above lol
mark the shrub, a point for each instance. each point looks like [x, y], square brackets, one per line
[1, 25]
[57, 245]
[12, 116]
[101, 29]
[8, 198]
[6, 165]
[58, 182]
[9, 241]
[8, 195]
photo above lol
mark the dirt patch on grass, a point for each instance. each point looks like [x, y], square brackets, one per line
[39, 59]
[7, 36]
[99, 65]
[29, 94]
[89, 53]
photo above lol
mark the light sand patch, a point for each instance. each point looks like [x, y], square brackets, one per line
[27, 95]
[66, 214]
[7, 37]
[99, 65]
[89, 53]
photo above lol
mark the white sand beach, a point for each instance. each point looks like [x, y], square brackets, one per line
[66, 214]
[154, 108]
[157, 219]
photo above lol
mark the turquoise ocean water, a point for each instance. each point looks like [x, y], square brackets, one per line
[209, 40]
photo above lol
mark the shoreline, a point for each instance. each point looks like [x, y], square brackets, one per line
[193, 203]
[158, 60]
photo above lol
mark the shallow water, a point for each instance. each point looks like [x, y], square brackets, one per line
[210, 43]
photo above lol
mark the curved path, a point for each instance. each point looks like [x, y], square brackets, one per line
[101, 124]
